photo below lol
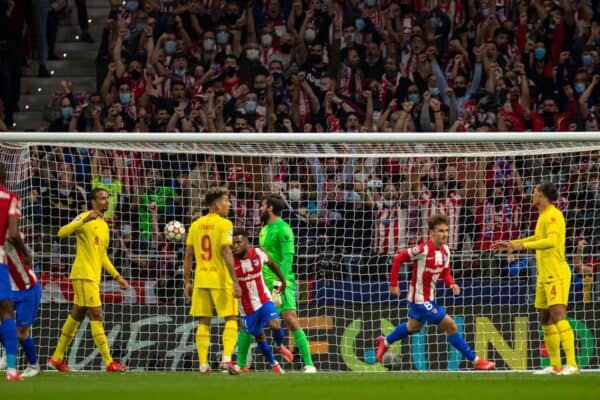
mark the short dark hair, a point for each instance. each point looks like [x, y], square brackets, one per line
[275, 201]
[95, 192]
[437, 219]
[549, 190]
[213, 194]
[240, 232]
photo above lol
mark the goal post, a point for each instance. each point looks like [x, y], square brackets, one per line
[353, 201]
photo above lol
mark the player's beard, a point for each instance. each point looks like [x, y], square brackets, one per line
[264, 217]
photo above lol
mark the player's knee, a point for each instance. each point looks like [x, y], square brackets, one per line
[22, 332]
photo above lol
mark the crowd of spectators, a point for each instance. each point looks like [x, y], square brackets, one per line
[337, 66]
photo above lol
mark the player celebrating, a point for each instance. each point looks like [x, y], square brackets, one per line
[431, 261]
[256, 307]
[215, 283]
[10, 212]
[277, 239]
[93, 237]
[553, 278]
[27, 294]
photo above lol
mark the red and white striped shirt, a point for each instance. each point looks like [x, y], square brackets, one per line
[429, 265]
[249, 274]
[395, 226]
[22, 276]
[10, 206]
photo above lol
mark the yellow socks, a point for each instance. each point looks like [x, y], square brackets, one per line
[100, 340]
[552, 340]
[202, 343]
[67, 334]
[567, 340]
[230, 332]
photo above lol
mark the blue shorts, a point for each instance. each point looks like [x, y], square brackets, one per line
[256, 322]
[27, 303]
[428, 312]
[5, 288]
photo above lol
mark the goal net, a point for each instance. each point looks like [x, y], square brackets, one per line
[352, 207]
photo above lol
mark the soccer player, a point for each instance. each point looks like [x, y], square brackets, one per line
[10, 212]
[256, 308]
[215, 283]
[93, 237]
[553, 278]
[277, 240]
[431, 261]
[27, 294]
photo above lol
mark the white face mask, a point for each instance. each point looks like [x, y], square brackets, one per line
[208, 44]
[266, 40]
[295, 194]
[261, 110]
[310, 35]
[252, 54]
[65, 192]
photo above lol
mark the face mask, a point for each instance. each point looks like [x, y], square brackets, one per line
[170, 46]
[360, 24]
[222, 37]
[315, 58]
[208, 44]
[390, 75]
[250, 106]
[434, 91]
[125, 230]
[548, 115]
[389, 203]
[371, 3]
[180, 72]
[460, 91]
[413, 97]
[64, 192]
[230, 71]
[587, 60]
[106, 181]
[139, 26]
[539, 53]
[580, 87]
[231, 18]
[125, 98]
[266, 40]
[286, 48]
[261, 110]
[67, 112]
[261, 91]
[372, 61]
[132, 5]
[435, 22]
[294, 194]
[82, 150]
[309, 35]
[135, 74]
[485, 12]
[252, 54]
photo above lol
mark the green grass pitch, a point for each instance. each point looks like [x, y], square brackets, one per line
[264, 386]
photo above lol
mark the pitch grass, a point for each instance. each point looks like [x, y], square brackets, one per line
[266, 386]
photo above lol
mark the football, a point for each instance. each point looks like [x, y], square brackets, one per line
[174, 231]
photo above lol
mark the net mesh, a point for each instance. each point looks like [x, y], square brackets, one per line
[352, 207]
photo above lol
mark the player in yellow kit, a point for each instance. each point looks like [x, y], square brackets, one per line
[553, 278]
[93, 235]
[215, 284]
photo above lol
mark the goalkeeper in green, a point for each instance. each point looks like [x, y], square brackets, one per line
[277, 240]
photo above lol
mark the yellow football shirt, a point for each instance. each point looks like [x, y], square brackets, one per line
[208, 235]
[549, 244]
[92, 243]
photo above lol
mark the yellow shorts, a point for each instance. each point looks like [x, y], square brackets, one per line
[222, 300]
[552, 293]
[86, 293]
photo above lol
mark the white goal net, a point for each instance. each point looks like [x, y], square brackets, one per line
[352, 207]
